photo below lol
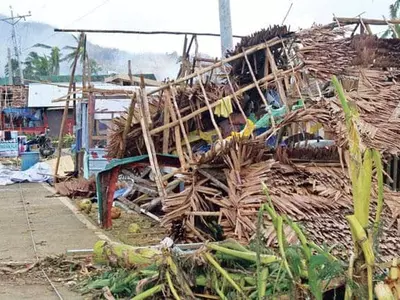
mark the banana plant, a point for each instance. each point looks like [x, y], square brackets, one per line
[361, 162]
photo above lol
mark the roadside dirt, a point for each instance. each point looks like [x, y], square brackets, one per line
[151, 233]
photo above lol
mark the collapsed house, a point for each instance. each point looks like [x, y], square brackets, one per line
[272, 118]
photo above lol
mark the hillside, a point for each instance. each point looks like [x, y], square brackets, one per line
[111, 59]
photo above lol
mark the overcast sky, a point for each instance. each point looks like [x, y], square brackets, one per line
[183, 15]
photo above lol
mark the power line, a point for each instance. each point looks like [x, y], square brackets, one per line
[76, 20]
[89, 12]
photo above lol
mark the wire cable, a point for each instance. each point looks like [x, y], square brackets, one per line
[76, 20]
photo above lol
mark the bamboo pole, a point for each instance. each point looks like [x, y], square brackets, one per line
[209, 108]
[391, 26]
[65, 113]
[274, 69]
[166, 131]
[366, 21]
[129, 117]
[268, 78]
[256, 48]
[144, 116]
[259, 90]
[178, 143]
[234, 95]
[189, 149]
[142, 32]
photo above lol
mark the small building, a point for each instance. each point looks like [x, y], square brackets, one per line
[41, 96]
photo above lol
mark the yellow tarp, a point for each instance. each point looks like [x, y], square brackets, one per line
[224, 109]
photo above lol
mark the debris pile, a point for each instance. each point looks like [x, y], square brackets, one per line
[196, 153]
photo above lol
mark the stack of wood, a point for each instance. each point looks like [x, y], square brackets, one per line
[222, 201]
[325, 52]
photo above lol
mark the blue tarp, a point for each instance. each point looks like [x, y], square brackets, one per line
[25, 112]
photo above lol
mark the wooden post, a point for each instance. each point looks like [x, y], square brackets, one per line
[182, 69]
[76, 166]
[189, 149]
[65, 113]
[144, 116]
[91, 111]
[259, 90]
[209, 108]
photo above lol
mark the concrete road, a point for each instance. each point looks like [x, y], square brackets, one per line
[55, 228]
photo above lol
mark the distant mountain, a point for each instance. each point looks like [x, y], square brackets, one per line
[163, 65]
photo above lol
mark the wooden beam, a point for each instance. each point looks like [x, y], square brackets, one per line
[366, 21]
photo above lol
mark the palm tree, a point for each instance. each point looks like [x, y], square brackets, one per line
[55, 58]
[394, 10]
[37, 65]
[73, 49]
[95, 68]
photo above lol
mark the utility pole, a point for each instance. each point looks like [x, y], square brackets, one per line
[10, 68]
[225, 25]
[13, 21]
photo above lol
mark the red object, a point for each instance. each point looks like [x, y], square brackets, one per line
[110, 195]
[108, 183]
[68, 128]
